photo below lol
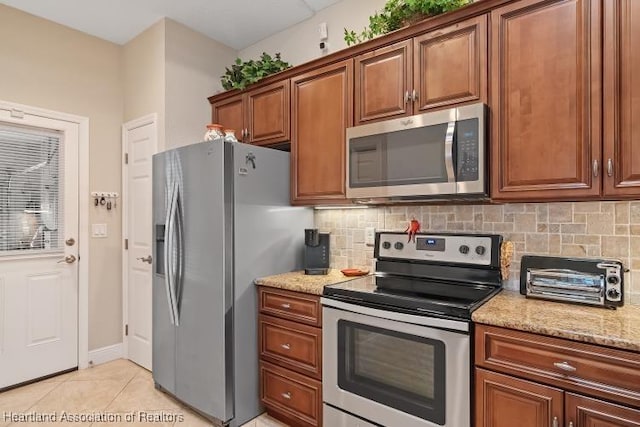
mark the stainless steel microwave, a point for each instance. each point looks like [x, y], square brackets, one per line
[441, 154]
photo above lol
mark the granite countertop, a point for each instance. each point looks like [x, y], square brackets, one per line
[299, 282]
[613, 328]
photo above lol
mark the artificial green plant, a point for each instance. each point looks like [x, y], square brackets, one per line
[242, 74]
[399, 13]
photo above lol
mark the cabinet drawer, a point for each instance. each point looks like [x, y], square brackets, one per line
[292, 345]
[296, 396]
[609, 373]
[290, 305]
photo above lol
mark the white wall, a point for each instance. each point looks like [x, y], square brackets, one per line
[144, 77]
[43, 64]
[299, 43]
[193, 66]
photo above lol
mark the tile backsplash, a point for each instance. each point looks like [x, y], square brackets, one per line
[581, 229]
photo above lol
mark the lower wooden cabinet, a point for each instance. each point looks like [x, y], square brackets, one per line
[528, 380]
[291, 396]
[290, 345]
[505, 401]
[581, 411]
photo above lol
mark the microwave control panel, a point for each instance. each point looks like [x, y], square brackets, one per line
[468, 150]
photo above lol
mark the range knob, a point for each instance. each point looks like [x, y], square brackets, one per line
[480, 250]
[464, 249]
[398, 246]
[613, 294]
[613, 280]
[386, 245]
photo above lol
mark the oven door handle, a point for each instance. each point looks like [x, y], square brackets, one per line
[433, 322]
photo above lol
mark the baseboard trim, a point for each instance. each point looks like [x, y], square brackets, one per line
[106, 354]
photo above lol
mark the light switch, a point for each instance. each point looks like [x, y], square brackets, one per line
[99, 230]
[323, 31]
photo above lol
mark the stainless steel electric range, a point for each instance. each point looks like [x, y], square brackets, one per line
[397, 344]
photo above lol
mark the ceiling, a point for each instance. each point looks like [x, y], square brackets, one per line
[236, 23]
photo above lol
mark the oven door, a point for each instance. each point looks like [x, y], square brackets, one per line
[395, 372]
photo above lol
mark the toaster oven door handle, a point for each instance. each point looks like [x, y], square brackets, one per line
[565, 366]
[448, 152]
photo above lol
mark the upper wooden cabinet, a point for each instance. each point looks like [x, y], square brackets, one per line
[450, 65]
[440, 68]
[621, 159]
[321, 111]
[230, 114]
[546, 99]
[382, 83]
[259, 116]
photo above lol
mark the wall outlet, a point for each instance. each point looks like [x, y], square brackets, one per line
[99, 230]
[369, 236]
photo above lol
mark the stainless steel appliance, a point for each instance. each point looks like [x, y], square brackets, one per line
[397, 344]
[440, 154]
[221, 218]
[585, 281]
[316, 252]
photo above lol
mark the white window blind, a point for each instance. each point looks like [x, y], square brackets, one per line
[31, 191]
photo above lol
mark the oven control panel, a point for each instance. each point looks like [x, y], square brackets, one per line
[446, 248]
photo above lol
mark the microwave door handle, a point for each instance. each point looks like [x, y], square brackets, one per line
[448, 152]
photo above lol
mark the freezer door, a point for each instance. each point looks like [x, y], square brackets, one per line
[269, 239]
[202, 286]
[164, 335]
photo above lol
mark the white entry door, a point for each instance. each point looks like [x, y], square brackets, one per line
[140, 144]
[38, 249]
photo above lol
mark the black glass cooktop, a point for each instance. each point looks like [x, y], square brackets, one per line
[413, 295]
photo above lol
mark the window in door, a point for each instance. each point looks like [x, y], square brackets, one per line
[31, 190]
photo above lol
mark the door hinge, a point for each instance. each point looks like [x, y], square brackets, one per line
[126, 244]
[126, 330]
[126, 158]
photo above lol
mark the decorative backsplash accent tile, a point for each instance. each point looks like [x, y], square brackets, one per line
[580, 229]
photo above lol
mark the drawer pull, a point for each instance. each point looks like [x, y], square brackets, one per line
[555, 422]
[286, 346]
[286, 395]
[570, 423]
[564, 366]
[285, 306]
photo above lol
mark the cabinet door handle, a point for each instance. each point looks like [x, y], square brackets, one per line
[555, 422]
[286, 395]
[570, 423]
[414, 95]
[596, 168]
[286, 346]
[286, 306]
[565, 366]
[246, 132]
[610, 167]
[407, 97]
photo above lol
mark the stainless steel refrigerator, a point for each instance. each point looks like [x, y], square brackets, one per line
[221, 219]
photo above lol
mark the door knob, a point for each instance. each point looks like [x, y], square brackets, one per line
[146, 259]
[69, 259]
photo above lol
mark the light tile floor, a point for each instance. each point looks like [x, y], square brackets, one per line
[120, 388]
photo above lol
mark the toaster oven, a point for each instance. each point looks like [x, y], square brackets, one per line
[597, 282]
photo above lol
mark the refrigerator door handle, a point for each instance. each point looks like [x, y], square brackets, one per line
[168, 253]
[177, 282]
[174, 253]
